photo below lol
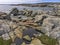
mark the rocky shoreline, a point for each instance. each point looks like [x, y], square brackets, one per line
[28, 27]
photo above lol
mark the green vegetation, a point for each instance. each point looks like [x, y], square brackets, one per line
[47, 40]
[1, 41]
[5, 42]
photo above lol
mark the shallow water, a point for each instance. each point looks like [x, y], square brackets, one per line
[7, 8]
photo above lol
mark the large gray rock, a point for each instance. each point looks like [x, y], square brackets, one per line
[51, 13]
[14, 11]
[4, 26]
[51, 27]
[55, 33]
[40, 17]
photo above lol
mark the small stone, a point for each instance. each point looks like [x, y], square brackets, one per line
[23, 43]
[27, 38]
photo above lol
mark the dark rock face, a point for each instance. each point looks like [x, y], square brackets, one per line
[30, 32]
[7, 17]
[18, 41]
[14, 11]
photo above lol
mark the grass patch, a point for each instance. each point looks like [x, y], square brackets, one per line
[48, 40]
[1, 41]
[5, 42]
